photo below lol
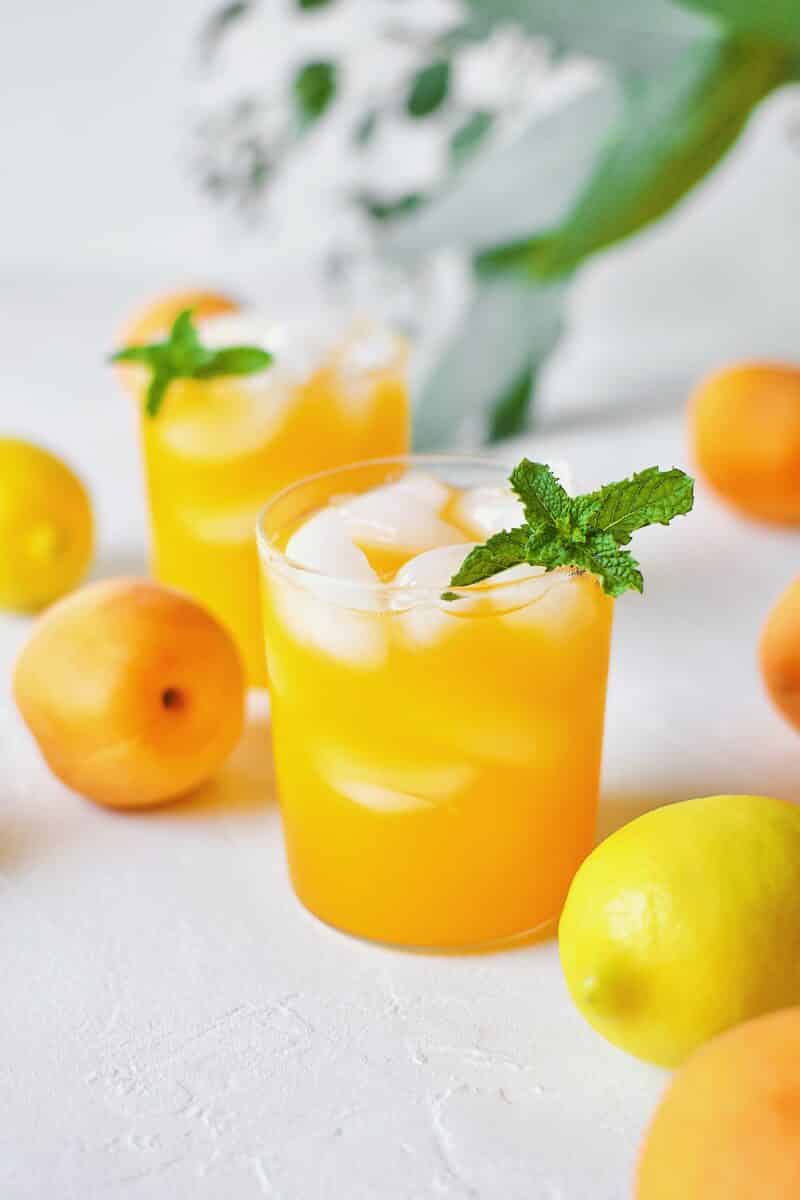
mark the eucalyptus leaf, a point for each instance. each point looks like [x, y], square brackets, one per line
[510, 329]
[635, 36]
[510, 411]
[366, 128]
[429, 88]
[775, 19]
[219, 23]
[675, 128]
[468, 137]
[389, 210]
[314, 89]
[511, 190]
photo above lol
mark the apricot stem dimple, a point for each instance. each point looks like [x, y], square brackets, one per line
[172, 698]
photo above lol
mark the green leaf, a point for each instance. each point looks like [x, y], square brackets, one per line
[315, 87]
[509, 415]
[219, 23]
[504, 550]
[389, 210]
[468, 137]
[234, 360]
[512, 189]
[545, 501]
[773, 19]
[429, 88]
[183, 332]
[675, 128]
[157, 390]
[586, 532]
[617, 569]
[366, 127]
[308, 5]
[650, 497]
[635, 36]
[138, 354]
[183, 356]
[509, 329]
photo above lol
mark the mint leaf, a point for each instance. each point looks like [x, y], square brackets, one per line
[587, 532]
[157, 390]
[618, 569]
[183, 335]
[650, 497]
[544, 499]
[183, 356]
[504, 550]
[138, 354]
[234, 360]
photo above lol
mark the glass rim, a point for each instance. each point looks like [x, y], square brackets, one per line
[269, 551]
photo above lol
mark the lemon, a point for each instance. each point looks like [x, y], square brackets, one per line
[45, 527]
[686, 922]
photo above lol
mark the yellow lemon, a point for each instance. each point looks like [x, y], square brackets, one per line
[686, 922]
[46, 529]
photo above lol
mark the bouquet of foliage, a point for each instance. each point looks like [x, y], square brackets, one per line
[528, 191]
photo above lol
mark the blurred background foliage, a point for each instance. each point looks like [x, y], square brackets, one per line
[557, 128]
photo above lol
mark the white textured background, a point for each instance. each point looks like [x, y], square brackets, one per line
[172, 1024]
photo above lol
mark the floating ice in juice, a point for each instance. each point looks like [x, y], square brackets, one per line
[438, 760]
[219, 448]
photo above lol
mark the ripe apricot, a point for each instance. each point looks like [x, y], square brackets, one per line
[745, 436]
[153, 321]
[779, 654]
[134, 692]
[728, 1127]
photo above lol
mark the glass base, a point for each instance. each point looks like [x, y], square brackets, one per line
[525, 937]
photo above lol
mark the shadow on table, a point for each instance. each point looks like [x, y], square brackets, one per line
[245, 784]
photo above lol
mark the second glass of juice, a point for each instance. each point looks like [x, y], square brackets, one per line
[437, 750]
[219, 448]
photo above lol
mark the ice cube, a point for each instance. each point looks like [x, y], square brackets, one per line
[299, 344]
[483, 511]
[433, 569]
[394, 786]
[369, 352]
[563, 604]
[315, 612]
[416, 593]
[227, 526]
[236, 417]
[337, 611]
[402, 516]
[323, 543]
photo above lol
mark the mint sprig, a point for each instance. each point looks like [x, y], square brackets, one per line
[588, 532]
[183, 356]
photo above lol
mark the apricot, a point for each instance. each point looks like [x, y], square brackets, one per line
[134, 692]
[153, 321]
[728, 1127]
[779, 654]
[745, 436]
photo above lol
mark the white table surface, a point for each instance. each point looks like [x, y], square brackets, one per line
[176, 1027]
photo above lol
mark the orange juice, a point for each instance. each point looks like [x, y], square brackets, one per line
[219, 448]
[438, 758]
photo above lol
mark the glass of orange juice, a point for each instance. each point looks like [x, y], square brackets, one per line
[219, 448]
[437, 750]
